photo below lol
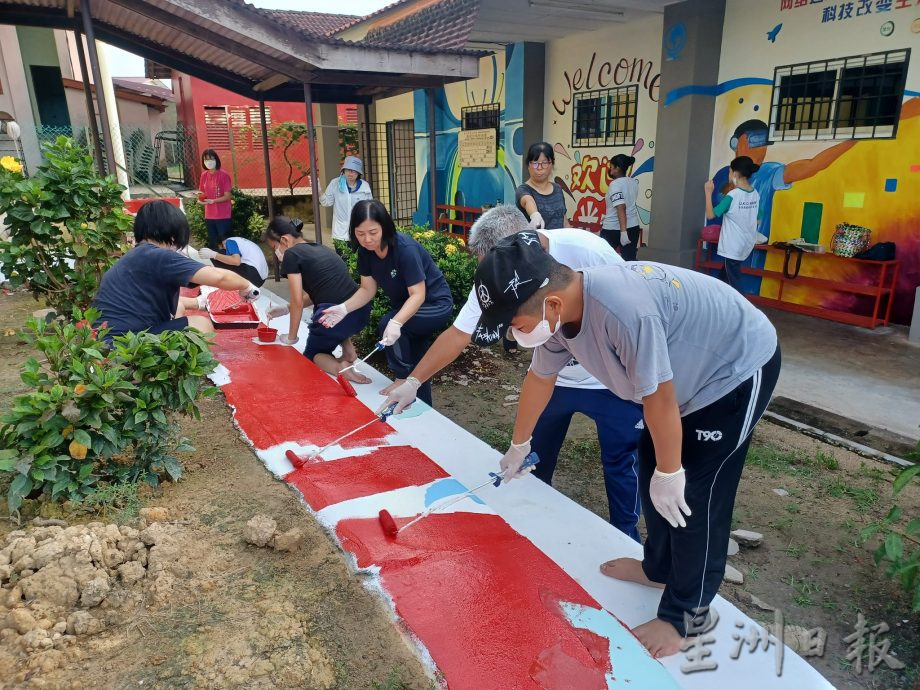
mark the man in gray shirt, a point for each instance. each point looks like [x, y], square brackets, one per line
[702, 361]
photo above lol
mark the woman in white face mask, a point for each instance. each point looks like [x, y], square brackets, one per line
[214, 192]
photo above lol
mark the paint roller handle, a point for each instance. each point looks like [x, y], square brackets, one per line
[530, 461]
[387, 412]
[377, 348]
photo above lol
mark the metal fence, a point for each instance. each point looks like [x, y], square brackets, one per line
[389, 164]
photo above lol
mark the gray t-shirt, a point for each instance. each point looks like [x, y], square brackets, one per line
[647, 323]
[551, 206]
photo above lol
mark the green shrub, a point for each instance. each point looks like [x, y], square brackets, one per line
[450, 255]
[247, 219]
[66, 226]
[100, 412]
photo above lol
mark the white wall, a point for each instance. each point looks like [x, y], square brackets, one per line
[15, 97]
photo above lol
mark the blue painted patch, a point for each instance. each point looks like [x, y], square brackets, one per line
[774, 32]
[417, 409]
[675, 41]
[648, 165]
[891, 185]
[713, 89]
[633, 666]
[444, 488]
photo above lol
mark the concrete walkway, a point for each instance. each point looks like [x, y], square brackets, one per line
[869, 376]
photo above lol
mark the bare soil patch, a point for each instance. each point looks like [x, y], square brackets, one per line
[227, 614]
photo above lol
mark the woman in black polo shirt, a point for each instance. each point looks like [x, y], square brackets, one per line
[420, 298]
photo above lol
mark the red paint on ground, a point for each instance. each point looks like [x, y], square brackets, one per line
[280, 395]
[478, 595]
[384, 469]
[189, 292]
[554, 669]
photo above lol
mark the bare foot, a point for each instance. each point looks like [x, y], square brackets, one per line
[389, 389]
[354, 376]
[630, 570]
[659, 637]
[348, 351]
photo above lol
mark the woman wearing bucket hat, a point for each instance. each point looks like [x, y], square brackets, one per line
[342, 194]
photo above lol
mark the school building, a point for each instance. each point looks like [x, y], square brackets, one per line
[822, 94]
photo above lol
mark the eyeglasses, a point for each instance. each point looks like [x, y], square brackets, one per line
[540, 164]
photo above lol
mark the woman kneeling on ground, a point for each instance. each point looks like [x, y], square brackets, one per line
[318, 276]
[420, 299]
[140, 292]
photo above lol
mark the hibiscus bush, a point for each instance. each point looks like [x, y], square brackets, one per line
[100, 411]
[66, 226]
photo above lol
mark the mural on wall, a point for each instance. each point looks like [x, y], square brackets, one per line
[582, 171]
[500, 81]
[807, 188]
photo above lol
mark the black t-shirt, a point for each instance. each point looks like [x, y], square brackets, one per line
[141, 289]
[551, 206]
[325, 276]
[407, 263]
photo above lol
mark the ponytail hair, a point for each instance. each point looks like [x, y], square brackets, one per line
[622, 162]
[281, 226]
[744, 166]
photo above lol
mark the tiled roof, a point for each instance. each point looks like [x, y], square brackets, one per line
[316, 23]
[382, 10]
[442, 25]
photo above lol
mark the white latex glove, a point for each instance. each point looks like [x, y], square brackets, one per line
[288, 340]
[537, 222]
[277, 310]
[333, 315]
[249, 293]
[624, 237]
[206, 253]
[202, 302]
[667, 493]
[391, 333]
[403, 395]
[207, 202]
[511, 462]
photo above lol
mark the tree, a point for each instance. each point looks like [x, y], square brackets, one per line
[287, 135]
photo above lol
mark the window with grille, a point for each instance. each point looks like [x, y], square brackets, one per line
[847, 98]
[606, 117]
[256, 126]
[487, 116]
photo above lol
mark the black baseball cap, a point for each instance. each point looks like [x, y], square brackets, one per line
[507, 277]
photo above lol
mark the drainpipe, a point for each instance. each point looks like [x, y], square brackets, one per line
[432, 161]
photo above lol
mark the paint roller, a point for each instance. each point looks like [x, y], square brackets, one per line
[298, 461]
[389, 524]
[345, 383]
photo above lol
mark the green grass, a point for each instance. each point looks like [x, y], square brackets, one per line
[795, 550]
[776, 462]
[115, 502]
[864, 498]
[804, 590]
[792, 508]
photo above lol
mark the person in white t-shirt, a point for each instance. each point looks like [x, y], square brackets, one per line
[620, 226]
[740, 213]
[618, 421]
[241, 256]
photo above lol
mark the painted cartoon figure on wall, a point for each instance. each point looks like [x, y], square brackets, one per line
[751, 138]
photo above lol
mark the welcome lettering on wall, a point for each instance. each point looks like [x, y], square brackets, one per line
[605, 75]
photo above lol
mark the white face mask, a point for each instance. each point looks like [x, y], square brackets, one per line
[210, 164]
[279, 252]
[539, 335]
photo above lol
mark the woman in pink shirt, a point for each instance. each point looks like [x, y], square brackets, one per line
[214, 193]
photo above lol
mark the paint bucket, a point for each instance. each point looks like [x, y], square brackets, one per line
[266, 334]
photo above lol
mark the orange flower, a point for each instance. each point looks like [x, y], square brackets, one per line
[77, 450]
[79, 389]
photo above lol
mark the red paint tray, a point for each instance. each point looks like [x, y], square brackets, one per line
[228, 311]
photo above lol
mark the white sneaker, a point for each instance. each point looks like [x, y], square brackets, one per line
[203, 302]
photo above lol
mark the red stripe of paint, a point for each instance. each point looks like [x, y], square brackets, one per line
[280, 395]
[484, 601]
[384, 469]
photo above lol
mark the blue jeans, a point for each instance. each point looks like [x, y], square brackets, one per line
[731, 273]
[616, 422]
[415, 339]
